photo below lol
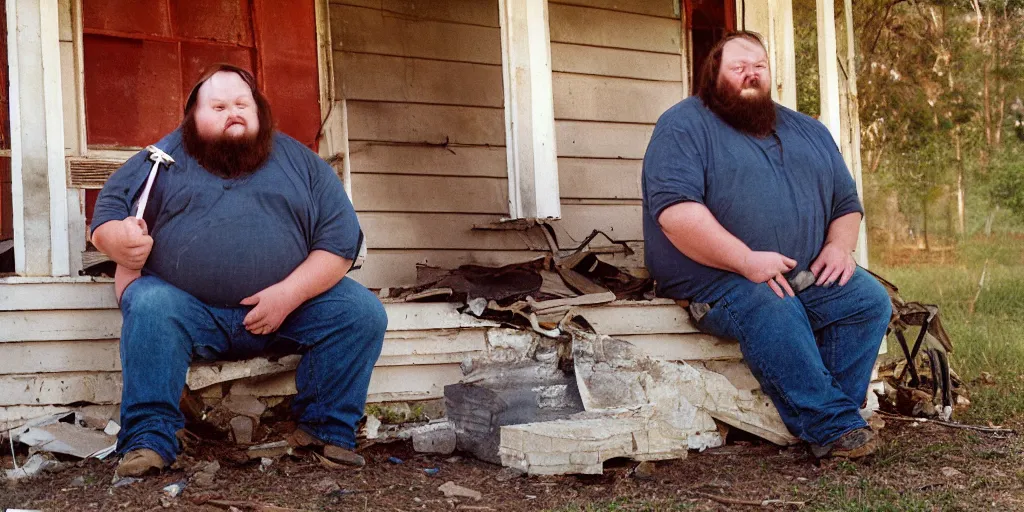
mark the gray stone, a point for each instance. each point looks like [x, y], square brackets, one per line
[434, 438]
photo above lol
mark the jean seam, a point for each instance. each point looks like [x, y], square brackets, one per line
[769, 377]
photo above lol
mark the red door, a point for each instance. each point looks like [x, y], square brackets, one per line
[708, 21]
[142, 58]
[6, 207]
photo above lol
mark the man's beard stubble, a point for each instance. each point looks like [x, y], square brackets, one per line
[753, 116]
[228, 157]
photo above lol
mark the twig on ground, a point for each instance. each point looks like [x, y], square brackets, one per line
[14, 456]
[752, 503]
[978, 428]
[250, 505]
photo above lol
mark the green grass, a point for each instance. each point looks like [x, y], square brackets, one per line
[991, 337]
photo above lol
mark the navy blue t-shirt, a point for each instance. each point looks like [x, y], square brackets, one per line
[222, 240]
[776, 194]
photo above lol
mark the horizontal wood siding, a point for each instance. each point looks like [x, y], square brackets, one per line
[422, 84]
[617, 66]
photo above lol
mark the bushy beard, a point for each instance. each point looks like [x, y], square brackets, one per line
[754, 115]
[225, 156]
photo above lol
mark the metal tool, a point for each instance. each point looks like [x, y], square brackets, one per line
[123, 276]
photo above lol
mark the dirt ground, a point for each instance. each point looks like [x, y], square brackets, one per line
[918, 467]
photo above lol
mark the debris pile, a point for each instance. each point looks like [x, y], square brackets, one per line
[73, 435]
[922, 383]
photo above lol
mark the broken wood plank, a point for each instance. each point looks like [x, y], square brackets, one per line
[387, 384]
[579, 282]
[582, 300]
[207, 374]
[437, 315]
[60, 388]
[685, 347]
[14, 416]
[640, 317]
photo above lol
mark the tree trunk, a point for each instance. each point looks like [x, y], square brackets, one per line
[986, 102]
[961, 207]
[988, 222]
[924, 223]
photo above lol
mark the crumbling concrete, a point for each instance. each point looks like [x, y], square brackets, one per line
[612, 374]
[583, 445]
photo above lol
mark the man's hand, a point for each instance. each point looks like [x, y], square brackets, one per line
[273, 305]
[127, 242]
[764, 266]
[833, 263]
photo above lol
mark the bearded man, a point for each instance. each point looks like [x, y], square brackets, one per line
[741, 196]
[243, 251]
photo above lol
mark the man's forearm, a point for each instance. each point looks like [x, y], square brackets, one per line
[693, 230]
[318, 273]
[844, 231]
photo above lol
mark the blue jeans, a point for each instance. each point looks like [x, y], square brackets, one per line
[339, 334]
[813, 354]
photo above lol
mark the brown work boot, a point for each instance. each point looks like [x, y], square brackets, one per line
[137, 463]
[304, 439]
[851, 445]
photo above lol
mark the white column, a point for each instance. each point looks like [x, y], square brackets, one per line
[828, 69]
[856, 166]
[40, 196]
[529, 110]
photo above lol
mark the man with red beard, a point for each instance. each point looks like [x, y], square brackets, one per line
[751, 215]
[243, 250]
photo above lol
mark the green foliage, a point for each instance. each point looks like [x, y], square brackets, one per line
[1006, 187]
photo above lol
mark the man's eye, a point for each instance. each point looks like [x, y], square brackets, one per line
[218, 108]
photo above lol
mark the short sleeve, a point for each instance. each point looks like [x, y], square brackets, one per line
[336, 227]
[115, 199]
[844, 189]
[674, 167]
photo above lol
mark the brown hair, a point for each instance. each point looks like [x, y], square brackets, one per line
[262, 105]
[708, 78]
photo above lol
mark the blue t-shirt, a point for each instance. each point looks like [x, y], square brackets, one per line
[775, 194]
[222, 240]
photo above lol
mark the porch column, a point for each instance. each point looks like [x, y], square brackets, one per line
[828, 67]
[529, 110]
[39, 183]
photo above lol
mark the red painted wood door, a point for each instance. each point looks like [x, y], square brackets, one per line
[708, 21]
[142, 58]
[6, 206]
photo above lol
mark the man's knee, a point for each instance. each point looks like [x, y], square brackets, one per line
[874, 297]
[152, 298]
[362, 306]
